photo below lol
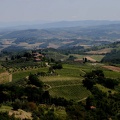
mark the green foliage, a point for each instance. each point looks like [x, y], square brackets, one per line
[5, 108]
[88, 83]
[75, 112]
[35, 81]
[91, 78]
[97, 76]
[47, 113]
[71, 58]
[110, 83]
[17, 104]
[112, 57]
[57, 66]
[5, 116]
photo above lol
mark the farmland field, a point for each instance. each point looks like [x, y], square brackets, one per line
[102, 51]
[96, 57]
[52, 79]
[111, 74]
[22, 74]
[68, 82]
[75, 92]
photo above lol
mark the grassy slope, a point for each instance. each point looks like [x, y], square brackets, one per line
[111, 74]
[68, 83]
[104, 89]
[75, 92]
[22, 74]
[5, 108]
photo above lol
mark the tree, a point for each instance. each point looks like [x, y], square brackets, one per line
[75, 112]
[85, 60]
[17, 104]
[110, 83]
[88, 83]
[46, 97]
[35, 81]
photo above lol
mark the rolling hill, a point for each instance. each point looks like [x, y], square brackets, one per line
[65, 37]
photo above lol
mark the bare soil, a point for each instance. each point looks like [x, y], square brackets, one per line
[91, 59]
[113, 68]
[5, 77]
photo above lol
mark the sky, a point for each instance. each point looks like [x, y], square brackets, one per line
[58, 10]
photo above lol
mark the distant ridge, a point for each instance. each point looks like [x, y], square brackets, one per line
[60, 24]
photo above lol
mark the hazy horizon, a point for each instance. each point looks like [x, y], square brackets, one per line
[62, 10]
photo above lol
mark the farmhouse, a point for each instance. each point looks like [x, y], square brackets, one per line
[37, 56]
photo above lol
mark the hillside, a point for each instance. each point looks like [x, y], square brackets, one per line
[112, 57]
[60, 37]
[58, 24]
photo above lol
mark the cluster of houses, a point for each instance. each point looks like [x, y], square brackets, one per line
[37, 56]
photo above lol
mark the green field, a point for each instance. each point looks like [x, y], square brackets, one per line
[75, 92]
[64, 81]
[67, 71]
[111, 74]
[75, 70]
[68, 82]
[22, 74]
[59, 78]
[5, 108]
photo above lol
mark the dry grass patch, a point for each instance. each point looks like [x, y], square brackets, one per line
[102, 51]
[23, 115]
[91, 59]
[5, 77]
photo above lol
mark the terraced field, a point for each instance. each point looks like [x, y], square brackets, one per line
[73, 91]
[22, 74]
[69, 88]
[68, 82]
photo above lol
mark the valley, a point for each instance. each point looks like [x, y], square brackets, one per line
[60, 73]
